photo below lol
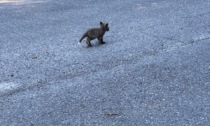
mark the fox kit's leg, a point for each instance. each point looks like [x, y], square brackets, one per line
[100, 40]
[88, 42]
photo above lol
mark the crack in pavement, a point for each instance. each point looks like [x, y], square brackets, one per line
[77, 72]
[198, 15]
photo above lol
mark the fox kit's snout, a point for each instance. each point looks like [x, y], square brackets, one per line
[94, 33]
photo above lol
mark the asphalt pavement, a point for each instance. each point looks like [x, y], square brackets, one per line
[154, 69]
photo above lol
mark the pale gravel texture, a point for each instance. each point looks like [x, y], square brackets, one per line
[153, 70]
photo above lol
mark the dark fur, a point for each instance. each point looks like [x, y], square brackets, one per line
[94, 33]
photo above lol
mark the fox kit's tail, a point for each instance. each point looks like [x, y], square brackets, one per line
[84, 35]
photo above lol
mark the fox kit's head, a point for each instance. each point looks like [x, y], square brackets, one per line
[104, 26]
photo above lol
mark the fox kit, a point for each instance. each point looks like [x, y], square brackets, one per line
[95, 33]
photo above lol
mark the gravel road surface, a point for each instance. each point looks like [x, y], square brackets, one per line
[154, 69]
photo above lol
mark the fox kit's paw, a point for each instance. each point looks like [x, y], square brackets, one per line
[89, 46]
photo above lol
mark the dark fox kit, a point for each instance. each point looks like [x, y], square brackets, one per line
[94, 33]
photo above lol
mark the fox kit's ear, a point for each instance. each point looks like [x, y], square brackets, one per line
[107, 24]
[101, 23]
